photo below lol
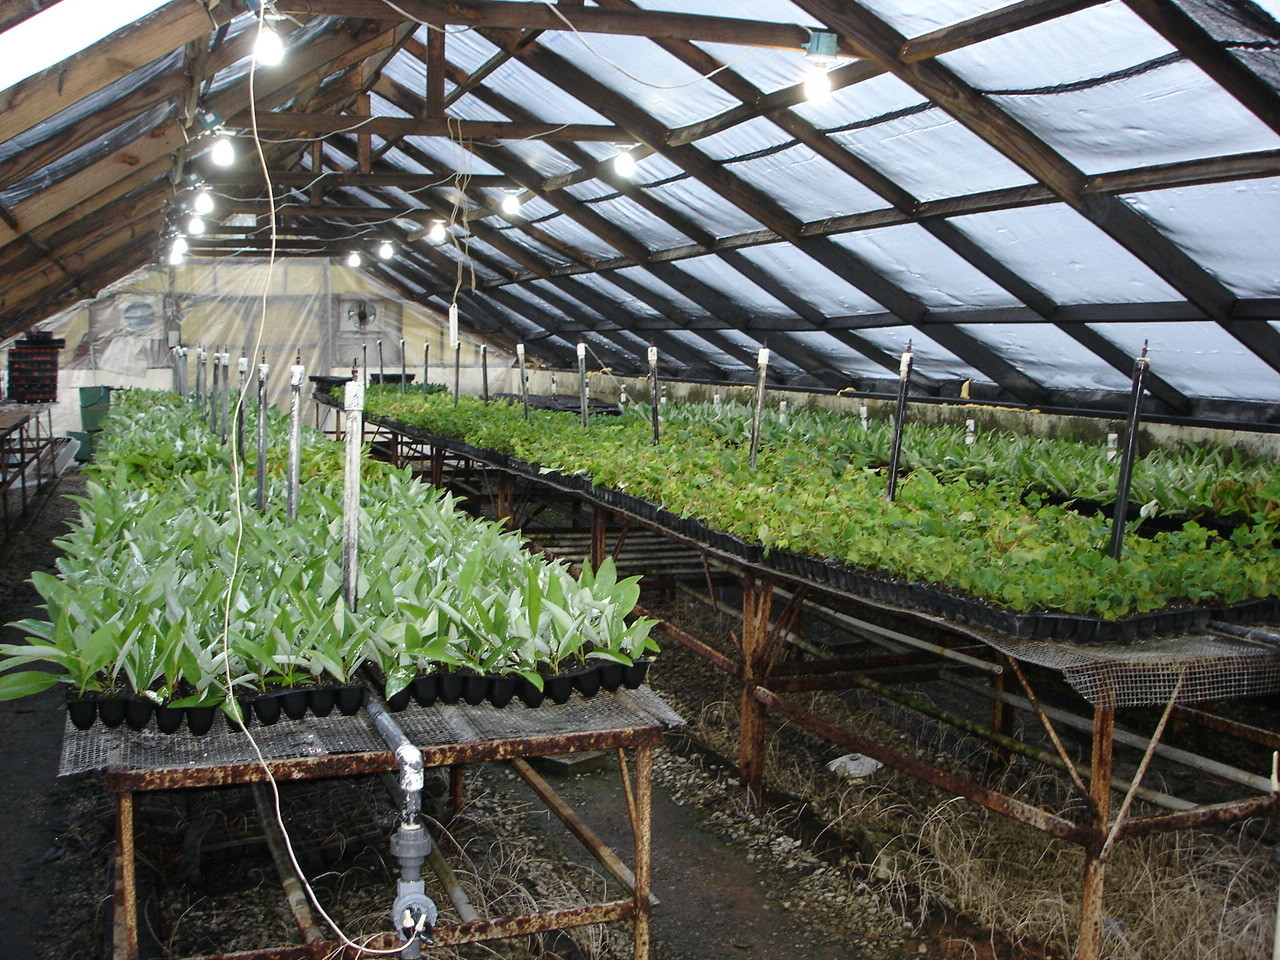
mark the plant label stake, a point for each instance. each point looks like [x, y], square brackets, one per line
[296, 374]
[1113, 446]
[484, 371]
[762, 371]
[352, 411]
[200, 379]
[404, 373]
[582, 381]
[970, 434]
[364, 362]
[524, 379]
[243, 366]
[782, 411]
[899, 420]
[456, 342]
[1128, 453]
[382, 367]
[862, 415]
[653, 390]
[426, 365]
[221, 361]
[263, 371]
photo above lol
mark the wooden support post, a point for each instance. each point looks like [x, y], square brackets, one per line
[599, 550]
[757, 599]
[640, 825]
[1091, 886]
[125, 933]
[456, 792]
[433, 102]
[437, 466]
[505, 505]
[1001, 721]
[364, 141]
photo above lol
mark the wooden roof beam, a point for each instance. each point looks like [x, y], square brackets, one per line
[323, 124]
[1016, 16]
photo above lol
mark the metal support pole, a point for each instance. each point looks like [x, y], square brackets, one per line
[404, 373]
[243, 366]
[642, 840]
[263, 371]
[457, 371]
[762, 370]
[1140, 366]
[296, 374]
[899, 420]
[364, 363]
[352, 411]
[582, 381]
[757, 600]
[1087, 948]
[653, 390]
[224, 401]
[200, 380]
[382, 367]
[599, 531]
[524, 379]
[426, 366]
[484, 371]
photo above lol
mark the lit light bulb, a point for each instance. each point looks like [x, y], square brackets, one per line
[386, 251]
[437, 232]
[180, 244]
[817, 85]
[353, 259]
[175, 256]
[268, 49]
[202, 203]
[223, 153]
[511, 203]
[195, 226]
[624, 164]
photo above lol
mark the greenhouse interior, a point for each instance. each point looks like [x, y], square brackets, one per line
[801, 479]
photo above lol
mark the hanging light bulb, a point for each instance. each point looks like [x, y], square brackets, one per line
[385, 250]
[624, 164]
[353, 259]
[817, 85]
[176, 255]
[511, 203]
[195, 226]
[180, 244]
[202, 203]
[268, 49]
[437, 232]
[223, 153]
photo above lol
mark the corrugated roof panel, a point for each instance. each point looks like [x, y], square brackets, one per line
[626, 213]
[1065, 256]
[1230, 229]
[841, 356]
[719, 275]
[1048, 355]
[628, 305]
[827, 292]
[930, 358]
[694, 199]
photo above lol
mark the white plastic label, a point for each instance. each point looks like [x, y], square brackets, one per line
[243, 365]
[453, 325]
[353, 396]
[263, 371]
[905, 364]
[582, 351]
[296, 373]
[764, 356]
[653, 356]
[520, 352]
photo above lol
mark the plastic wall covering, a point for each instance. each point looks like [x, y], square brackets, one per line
[121, 338]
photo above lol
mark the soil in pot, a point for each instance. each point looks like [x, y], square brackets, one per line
[294, 703]
[634, 675]
[558, 688]
[611, 675]
[267, 709]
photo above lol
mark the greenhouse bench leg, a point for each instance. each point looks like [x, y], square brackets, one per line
[125, 935]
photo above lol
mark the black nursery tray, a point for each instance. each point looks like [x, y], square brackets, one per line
[141, 713]
[501, 689]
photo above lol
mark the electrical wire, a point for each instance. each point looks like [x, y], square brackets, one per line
[238, 500]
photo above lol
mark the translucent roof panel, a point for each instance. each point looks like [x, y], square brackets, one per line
[826, 292]
[447, 154]
[644, 74]
[911, 258]
[714, 355]
[930, 358]
[529, 91]
[1228, 228]
[913, 19]
[1161, 115]
[720, 276]
[1199, 358]
[840, 355]
[1048, 355]
[1065, 256]
[626, 213]
[694, 199]
[679, 303]
[625, 303]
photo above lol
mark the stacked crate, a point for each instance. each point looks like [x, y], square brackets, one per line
[33, 369]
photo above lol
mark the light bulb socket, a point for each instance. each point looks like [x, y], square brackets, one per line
[822, 47]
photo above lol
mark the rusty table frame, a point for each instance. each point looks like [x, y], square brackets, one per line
[125, 782]
[26, 441]
[763, 679]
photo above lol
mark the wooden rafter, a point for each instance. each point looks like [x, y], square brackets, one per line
[321, 124]
[995, 23]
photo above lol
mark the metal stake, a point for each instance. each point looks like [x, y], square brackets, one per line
[484, 371]
[352, 412]
[364, 362]
[243, 366]
[263, 371]
[899, 420]
[582, 381]
[404, 373]
[224, 397]
[426, 363]
[653, 390]
[524, 379]
[1125, 477]
[382, 367]
[762, 371]
[296, 374]
[457, 370]
[200, 380]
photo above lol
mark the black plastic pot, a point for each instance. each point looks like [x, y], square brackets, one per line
[634, 675]
[137, 712]
[502, 689]
[349, 699]
[267, 709]
[169, 719]
[558, 688]
[587, 680]
[529, 694]
[399, 700]
[321, 700]
[294, 703]
[611, 675]
[200, 719]
[425, 689]
[475, 688]
[449, 687]
[82, 713]
[111, 710]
